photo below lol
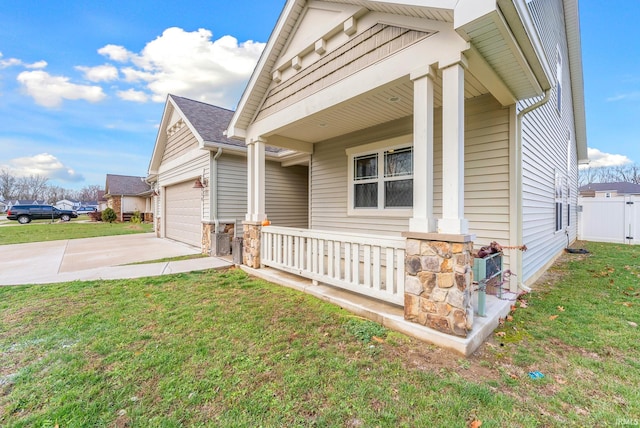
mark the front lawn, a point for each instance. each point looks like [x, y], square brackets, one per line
[44, 230]
[222, 349]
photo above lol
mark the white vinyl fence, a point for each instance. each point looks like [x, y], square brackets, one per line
[615, 219]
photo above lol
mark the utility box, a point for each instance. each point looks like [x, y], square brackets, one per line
[484, 270]
[488, 267]
[220, 244]
[236, 250]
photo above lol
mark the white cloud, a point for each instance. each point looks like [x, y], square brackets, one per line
[115, 53]
[43, 164]
[100, 73]
[15, 62]
[133, 95]
[189, 64]
[49, 91]
[627, 96]
[598, 159]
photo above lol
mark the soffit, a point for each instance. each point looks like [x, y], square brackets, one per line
[380, 105]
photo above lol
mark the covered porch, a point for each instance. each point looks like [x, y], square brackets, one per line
[381, 112]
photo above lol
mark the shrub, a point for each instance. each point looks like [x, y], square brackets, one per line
[136, 218]
[109, 215]
[95, 215]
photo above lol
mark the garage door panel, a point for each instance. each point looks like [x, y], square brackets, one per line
[183, 213]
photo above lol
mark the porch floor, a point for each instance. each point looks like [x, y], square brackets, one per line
[392, 316]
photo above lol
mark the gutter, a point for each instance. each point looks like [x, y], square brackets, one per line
[213, 189]
[518, 184]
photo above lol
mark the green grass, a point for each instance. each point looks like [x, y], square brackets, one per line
[42, 230]
[223, 349]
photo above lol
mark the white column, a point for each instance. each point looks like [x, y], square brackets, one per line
[259, 180]
[452, 221]
[423, 220]
[250, 181]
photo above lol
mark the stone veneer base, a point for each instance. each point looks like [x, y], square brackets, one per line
[438, 289]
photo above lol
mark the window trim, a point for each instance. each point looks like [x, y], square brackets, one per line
[379, 147]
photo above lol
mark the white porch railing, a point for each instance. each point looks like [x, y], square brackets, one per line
[366, 264]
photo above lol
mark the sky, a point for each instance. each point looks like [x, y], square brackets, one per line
[83, 83]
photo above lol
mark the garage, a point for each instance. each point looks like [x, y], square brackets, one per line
[183, 213]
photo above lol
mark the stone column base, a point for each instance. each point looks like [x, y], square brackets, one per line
[437, 290]
[251, 244]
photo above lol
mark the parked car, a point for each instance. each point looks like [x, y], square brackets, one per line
[25, 213]
[85, 210]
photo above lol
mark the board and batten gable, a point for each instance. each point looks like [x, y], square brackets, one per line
[549, 150]
[487, 182]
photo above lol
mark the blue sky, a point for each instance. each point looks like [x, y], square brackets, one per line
[83, 83]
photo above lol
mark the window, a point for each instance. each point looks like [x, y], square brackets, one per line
[381, 178]
[558, 200]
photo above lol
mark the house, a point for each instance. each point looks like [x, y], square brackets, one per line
[609, 190]
[67, 204]
[126, 194]
[199, 177]
[433, 128]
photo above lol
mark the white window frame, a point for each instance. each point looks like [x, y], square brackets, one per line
[558, 81]
[379, 148]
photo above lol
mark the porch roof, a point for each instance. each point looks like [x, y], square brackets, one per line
[499, 31]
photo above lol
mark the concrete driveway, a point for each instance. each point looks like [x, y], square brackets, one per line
[97, 258]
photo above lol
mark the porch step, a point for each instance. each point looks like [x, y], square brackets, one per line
[392, 316]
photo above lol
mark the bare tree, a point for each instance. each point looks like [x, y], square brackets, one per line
[611, 174]
[89, 193]
[7, 184]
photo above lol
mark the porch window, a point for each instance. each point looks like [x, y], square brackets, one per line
[381, 180]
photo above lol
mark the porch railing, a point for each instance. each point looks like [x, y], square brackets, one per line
[366, 264]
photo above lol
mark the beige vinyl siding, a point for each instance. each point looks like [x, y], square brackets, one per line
[287, 195]
[486, 181]
[329, 184]
[286, 189]
[232, 187]
[544, 137]
[179, 143]
[486, 175]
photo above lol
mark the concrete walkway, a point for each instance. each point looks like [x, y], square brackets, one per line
[97, 258]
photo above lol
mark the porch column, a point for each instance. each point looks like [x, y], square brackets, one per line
[255, 180]
[423, 220]
[256, 212]
[452, 221]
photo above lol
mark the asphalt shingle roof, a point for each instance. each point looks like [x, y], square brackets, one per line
[620, 187]
[210, 121]
[126, 185]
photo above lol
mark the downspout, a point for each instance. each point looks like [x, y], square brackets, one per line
[213, 189]
[518, 177]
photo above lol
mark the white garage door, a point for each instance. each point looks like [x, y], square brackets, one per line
[184, 212]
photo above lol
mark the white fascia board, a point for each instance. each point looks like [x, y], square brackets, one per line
[232, 130]
[161, 140]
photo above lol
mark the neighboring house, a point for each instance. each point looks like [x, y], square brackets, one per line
[67, 204]
[199, 177]
[102, 202]
[3, 206]
[432, 128]
[609, 190]
[126, 194]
